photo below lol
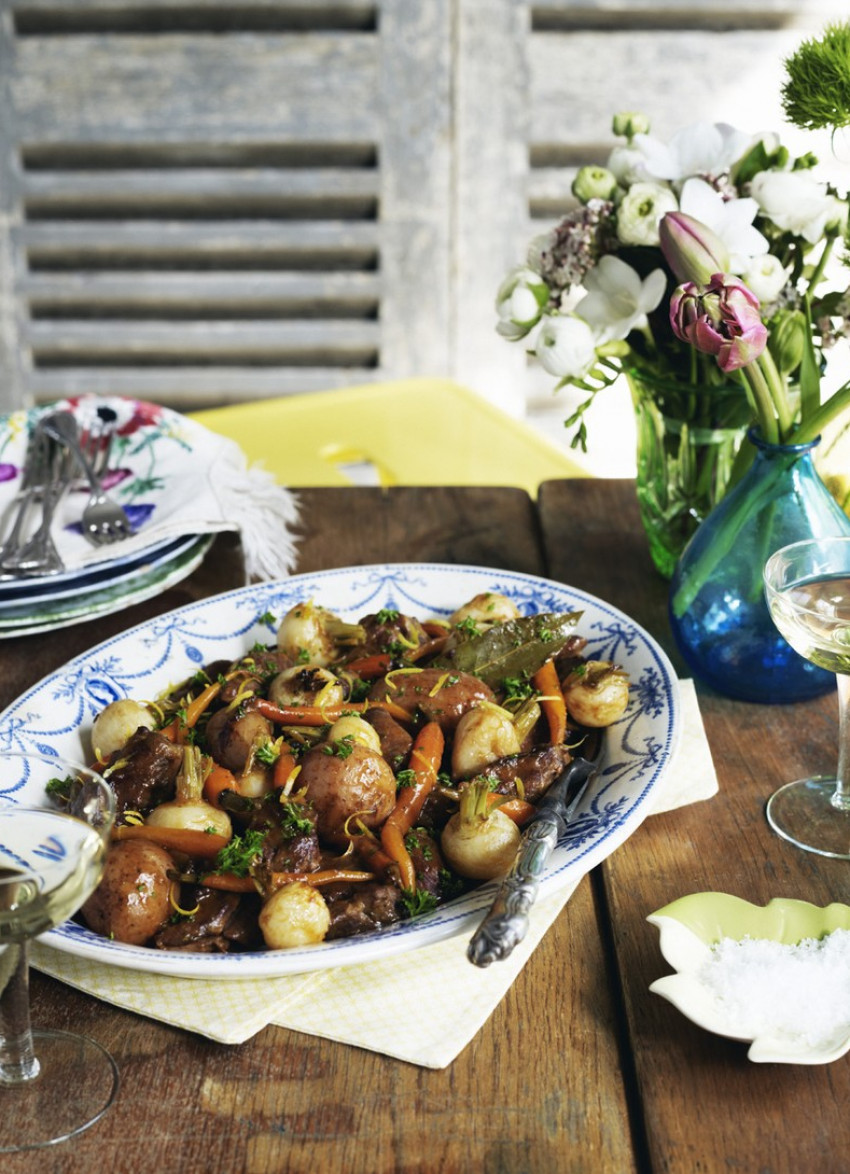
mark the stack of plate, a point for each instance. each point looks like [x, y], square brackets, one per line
[37, 603]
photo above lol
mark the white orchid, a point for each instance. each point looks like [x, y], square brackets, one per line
[565, 347]
[704, 148]
[731, 220]
[796, 202]
[617, 300]
[640, 211]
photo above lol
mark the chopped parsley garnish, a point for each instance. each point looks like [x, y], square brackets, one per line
[418, 901]
[293, 821]
[341, 748]
[518, 688]
[238, 856]
[267, 752]
[467, 626]
[405, 778]
[266, 618]
[60, 788]
[386, 615]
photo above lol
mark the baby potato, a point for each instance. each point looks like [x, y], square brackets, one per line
[295, 915]
[597, 693]
[115, 725]
[356, 781]
[131, 902]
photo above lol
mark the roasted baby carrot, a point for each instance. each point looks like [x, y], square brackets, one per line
[425, 757]
[551, 699]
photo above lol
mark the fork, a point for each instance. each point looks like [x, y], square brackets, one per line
[103, 520]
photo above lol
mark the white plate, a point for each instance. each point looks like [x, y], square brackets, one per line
[56, 715]
[144, 583]
[41, 590]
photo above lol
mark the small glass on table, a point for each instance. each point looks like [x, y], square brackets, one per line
[53, 1084]
[807, 585]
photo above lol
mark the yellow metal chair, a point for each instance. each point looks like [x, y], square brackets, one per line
[410, 432]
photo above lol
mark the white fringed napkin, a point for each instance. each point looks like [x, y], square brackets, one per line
[172, 476]
[369, 1005]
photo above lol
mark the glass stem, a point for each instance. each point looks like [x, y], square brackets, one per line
[841, 798]
[17, 1057]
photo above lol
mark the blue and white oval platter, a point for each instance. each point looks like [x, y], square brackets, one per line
[56, 716]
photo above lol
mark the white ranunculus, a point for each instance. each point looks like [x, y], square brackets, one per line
[617, 300]
[795, 201]
[519, 302]
[731, 220]
[704, 148]
[628, 165]
[640, 211]
[766, 276]
[565, 347]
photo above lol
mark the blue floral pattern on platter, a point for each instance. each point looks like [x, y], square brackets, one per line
[56, 715]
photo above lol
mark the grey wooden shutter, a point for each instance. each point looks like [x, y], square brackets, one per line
[205, 202]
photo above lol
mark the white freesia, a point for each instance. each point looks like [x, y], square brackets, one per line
[795, 201]
[519, 301]
[732, 220]
[565, 346]
[617, 299]
[766, 276]
[704, 148]
[640, 211]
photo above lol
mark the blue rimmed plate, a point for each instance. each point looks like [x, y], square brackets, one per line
[57, 714]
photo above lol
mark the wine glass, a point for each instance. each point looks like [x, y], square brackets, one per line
[807, 585]
[55, 820]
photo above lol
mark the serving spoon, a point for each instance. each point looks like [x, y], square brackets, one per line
[506, 924]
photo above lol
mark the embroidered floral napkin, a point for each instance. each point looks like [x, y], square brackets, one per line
[172, 476]
[367, 1005]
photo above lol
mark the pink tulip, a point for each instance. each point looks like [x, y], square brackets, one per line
[692, 250]
[721, 319]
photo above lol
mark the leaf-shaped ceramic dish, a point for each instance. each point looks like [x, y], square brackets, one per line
[689, 928]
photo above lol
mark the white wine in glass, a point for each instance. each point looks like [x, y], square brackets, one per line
[807, 585]
[53, 1084]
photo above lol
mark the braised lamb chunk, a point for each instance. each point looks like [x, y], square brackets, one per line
[222, 922]
[390, 631]
[536, 770]
[395, 740]
[361, 908]
[144, 771]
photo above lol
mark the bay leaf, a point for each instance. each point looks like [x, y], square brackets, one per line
[511, 649]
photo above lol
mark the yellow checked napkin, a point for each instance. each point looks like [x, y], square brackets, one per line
[350, 1004]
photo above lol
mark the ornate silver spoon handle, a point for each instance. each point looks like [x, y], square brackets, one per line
[506, 924]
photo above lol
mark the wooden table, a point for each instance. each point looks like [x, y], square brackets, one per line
[580, 1068]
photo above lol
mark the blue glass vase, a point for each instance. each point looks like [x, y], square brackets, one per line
[718, 611]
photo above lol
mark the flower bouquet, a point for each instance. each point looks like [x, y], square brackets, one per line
[701, 269]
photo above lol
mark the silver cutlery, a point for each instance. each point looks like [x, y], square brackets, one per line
[506, 924]
[33, 476]
[103, 520]
[37, 555]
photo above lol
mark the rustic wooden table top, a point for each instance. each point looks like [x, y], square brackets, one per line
[580, 1068]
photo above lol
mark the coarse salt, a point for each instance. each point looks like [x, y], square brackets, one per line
[765, 987]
